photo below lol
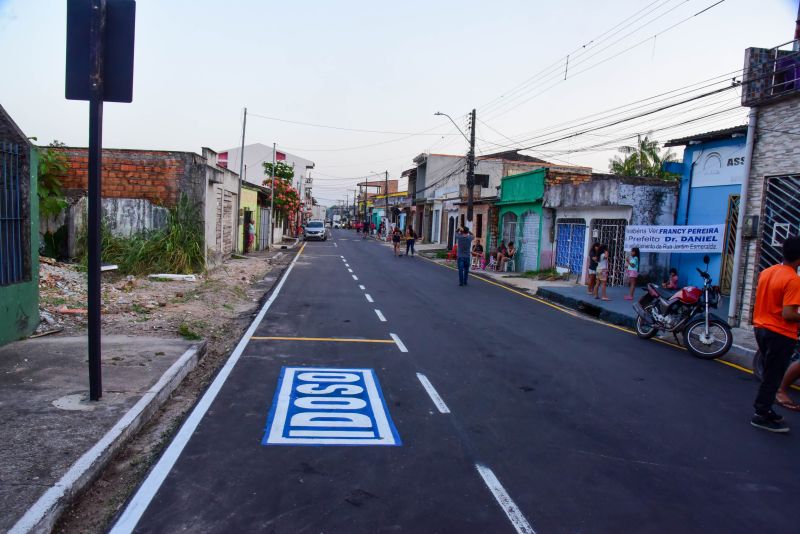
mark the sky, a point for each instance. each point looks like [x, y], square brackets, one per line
[388, 67]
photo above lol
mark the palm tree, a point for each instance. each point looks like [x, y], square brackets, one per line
[644, 159]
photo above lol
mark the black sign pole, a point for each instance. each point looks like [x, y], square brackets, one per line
[96, 57]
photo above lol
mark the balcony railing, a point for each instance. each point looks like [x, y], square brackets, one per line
[771, 74]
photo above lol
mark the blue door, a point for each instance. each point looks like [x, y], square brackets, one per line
[570, 239]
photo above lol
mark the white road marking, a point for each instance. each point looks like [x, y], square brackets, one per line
[335, 244]
[362, 288]
[399, 343]
[349, 270]
[369, 297]
[347, 265]
[433, 394]
[354, 277]
[141, 500]
[341, 257]
[509, 506]
[380, 316]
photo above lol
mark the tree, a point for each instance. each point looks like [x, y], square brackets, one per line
[644, 159]
[287, 199]
[52, 166]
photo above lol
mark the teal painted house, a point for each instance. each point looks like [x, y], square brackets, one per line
[19, 233]
[520, 216]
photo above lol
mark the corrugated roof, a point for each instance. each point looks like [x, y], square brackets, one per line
[715, 135]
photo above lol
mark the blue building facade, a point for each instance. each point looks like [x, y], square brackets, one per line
[712, 172]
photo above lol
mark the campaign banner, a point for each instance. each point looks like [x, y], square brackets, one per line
[314, 406]
[695, 239]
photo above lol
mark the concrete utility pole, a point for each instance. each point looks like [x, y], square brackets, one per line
[471, 166]
[386, 192]
[241, 177]
[272, 199]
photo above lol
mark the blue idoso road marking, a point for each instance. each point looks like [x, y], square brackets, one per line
[324, 406]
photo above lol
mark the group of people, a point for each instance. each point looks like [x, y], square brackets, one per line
[409, 237]
[469, 248]
[599, 269]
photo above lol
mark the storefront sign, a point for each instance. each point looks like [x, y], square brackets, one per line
[314, 406]
[719, 166]
[697, 239]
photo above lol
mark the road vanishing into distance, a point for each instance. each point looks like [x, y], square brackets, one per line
[373, 394]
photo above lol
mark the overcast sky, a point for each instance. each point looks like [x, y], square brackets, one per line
[388, 67]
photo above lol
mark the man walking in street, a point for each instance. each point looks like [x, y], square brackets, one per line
[464, 244]
[776, 319]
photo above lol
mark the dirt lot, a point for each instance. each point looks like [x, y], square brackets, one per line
[216, 308]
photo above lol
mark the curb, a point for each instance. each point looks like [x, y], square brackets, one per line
[43, 514]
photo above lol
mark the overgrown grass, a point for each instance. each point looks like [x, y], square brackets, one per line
[544, 274]
[186, 332]
[175, 249]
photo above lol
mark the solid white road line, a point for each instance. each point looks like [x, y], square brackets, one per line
[369, 298]
[141, 500]
[355, 277]
[380, 316]
[509, 506]
[433, 394]
[362, 288]
[399, 343]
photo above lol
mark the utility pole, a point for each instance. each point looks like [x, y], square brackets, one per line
[272, 199]
[471, 166]
[386, 193]
[241, 177]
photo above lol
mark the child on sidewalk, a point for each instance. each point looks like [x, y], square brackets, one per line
[632, 270]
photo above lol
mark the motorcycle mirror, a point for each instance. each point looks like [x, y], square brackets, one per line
[706, 259]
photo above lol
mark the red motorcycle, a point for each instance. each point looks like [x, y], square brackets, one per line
[705, 334]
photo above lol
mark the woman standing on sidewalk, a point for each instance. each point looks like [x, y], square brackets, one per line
[411, 238]
[594, 255]
[602, 273]
[396, 235]
[632, 270]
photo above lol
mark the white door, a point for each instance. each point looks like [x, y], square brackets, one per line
[529, 248]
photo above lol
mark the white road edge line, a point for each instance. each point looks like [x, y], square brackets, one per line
[433, 394]
[506, 503]
[380, 316]
[369, 297]
[399, 343]
[355, 277]
[141, 500]
[362, 288]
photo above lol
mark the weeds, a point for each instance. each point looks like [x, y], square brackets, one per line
[186, 332]
[177, 248]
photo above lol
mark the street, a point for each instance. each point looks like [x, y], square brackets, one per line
[572, 425]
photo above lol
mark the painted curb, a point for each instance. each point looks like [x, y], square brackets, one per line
[45, 512]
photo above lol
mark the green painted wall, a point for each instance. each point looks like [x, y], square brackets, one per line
[19, 303]
[521, 194]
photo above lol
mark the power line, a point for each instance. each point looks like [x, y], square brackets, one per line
[387, 132]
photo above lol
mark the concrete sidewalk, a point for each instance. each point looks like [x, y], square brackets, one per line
[54, 440]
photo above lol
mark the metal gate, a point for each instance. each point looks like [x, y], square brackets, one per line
[731, 226]
[12, 209]
[263, 229]
[570, 243]
[611, 233]
[529, 246]
[781, 217]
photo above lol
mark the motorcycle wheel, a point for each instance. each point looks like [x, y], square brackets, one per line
[721, 339]
[644, 330]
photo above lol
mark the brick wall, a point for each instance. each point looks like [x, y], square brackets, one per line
[143, 174]
[775, 153]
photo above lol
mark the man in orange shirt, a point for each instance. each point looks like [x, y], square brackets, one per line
[776, 320]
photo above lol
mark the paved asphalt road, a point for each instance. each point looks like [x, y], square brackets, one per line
[575, 426]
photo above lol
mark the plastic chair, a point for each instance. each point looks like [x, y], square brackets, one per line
[476, 262]
[492, 265]
[451, 255]
[511, 265]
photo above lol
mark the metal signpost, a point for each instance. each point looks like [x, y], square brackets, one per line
[100, 37]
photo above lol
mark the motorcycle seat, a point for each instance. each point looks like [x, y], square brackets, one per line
[665, 294]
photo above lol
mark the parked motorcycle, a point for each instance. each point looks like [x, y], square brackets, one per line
[686, 310]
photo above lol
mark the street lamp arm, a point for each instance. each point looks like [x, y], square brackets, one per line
[454, 124]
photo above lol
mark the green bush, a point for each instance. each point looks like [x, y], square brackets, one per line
[177, 248]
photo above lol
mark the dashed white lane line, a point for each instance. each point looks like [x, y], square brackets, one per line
[506, 503]
[369, 297]
[349, 270]
[335, 244]
[341, 257]
[433, 394]
[362, 288]
[354, 277]
[399, 343]
[347, 265]
[380, 316]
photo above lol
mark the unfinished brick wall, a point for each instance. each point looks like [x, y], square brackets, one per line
[143, 174]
